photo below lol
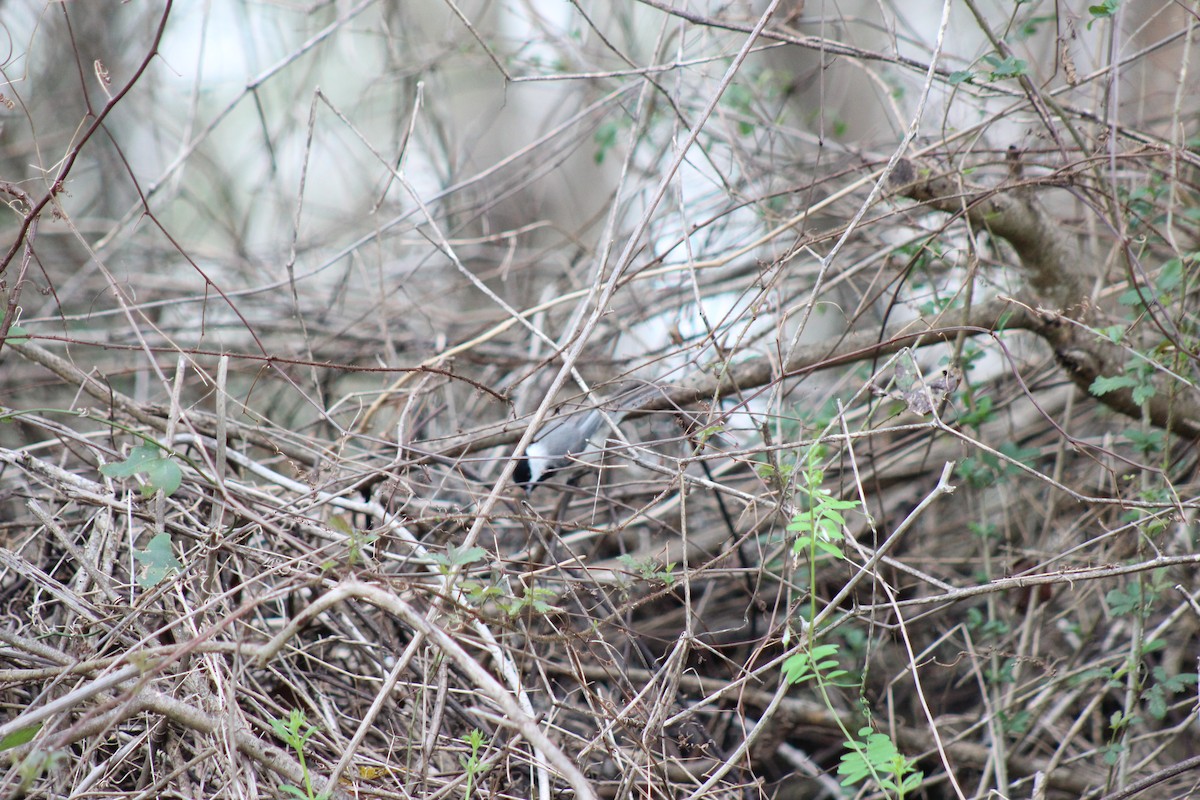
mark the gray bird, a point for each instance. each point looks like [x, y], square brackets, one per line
[568, 435]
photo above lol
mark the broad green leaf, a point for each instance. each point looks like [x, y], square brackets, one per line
[148, 459]
[159, 561]
[1103, 385]
[19, 737]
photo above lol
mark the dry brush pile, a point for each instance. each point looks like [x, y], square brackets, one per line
[910, 511]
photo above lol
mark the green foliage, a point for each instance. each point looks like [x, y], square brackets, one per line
[971, 353]
[1031, 26]
[984, 530]
[819, 532]
[295, 731]
[769, 472]
[1104, 10]
[1103, 385]
[356, 539]
[457, 557]
[1015, 724]
[1151, 522]
[873, 754]
[701, 437]
[1147, 442]
[1119, 721]
[148, 459]
[978, 414]
[478, 593]
[921, 257]
[158, 560]
[1170, 277]
[987, 469]
[819, 524]
[650, 570]
[533, 598]
[1142, 203]
[820, 416]
[1136, 377]
[1157, 695]
[749, 89]
[937, 305]
[473, 765]
[988, 628]
[1170, 285]
[16, 333]
[1125, 601]
[816, 663]
[19, 737]
[1002, 68]
[1137, 597]
[855, 651]
[1105, 674]
[1003, 674]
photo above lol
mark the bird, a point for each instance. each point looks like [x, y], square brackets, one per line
[568, 435]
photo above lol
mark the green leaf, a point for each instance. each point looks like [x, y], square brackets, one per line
[807, 665]
[459, 556]
[1009, 67]
[19, 737]
[1143, 393]
[1104, 10]
[159, 561]
[1033, 24]
[912, 782]
[981, 413]
[16, 334]
[1102, 385]
[160, 471]
[961, 76]
[1133, 598]
[1156, 701]
[1175, 683]
[475, 739]
[1017, 723]
[1171, 275]
[341, 525]
[1147, 442]
[132, 463]
[877, 756]
[1131, 298]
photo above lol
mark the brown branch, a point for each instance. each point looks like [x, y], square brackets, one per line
[760, 371]
[1054, 266]
[1057, 278]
